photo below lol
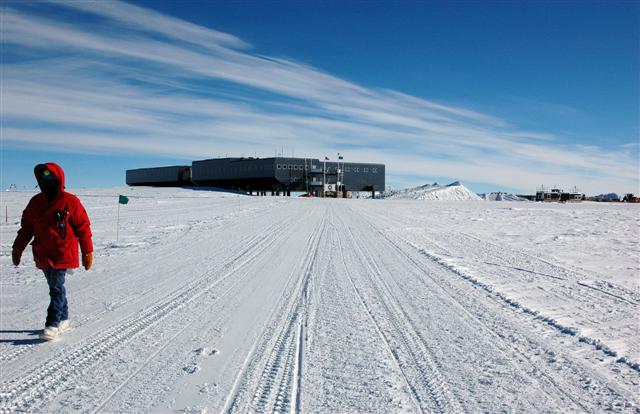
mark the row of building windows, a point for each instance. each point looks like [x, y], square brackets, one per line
[246, 168]
[295, 167]
[373, 170]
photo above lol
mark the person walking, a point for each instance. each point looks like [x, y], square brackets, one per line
[56, 221]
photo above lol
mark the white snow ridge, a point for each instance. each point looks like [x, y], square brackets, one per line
[452, 192]
[501, 196]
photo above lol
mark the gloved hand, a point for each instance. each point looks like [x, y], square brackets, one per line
[87, 260]
[15, 256]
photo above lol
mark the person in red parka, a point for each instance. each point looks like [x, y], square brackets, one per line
[56, 221]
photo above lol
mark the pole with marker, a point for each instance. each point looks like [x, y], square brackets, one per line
[121, 200]
[118, 223]
[324, 177]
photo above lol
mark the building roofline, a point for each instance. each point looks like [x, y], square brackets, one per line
[302, 159]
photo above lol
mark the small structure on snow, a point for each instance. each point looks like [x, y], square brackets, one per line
[559, 196]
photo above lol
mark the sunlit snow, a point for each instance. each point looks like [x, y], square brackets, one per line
[214, 301]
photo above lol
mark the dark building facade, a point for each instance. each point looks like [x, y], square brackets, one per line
[174, 176]
[277, 174]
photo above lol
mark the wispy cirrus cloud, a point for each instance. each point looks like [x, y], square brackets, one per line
[111, 77]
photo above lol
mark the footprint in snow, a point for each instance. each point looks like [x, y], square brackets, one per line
[485, 381]
[191, 369]
[206, 352]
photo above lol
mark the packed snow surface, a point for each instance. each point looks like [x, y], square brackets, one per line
[451, 192]
[217, 302]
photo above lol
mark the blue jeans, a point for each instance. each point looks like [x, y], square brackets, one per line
[57, 310]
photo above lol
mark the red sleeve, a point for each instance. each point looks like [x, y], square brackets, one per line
[25, 234]
[82, 227]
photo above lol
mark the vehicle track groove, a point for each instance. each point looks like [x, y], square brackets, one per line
[37, 385]
[430, 390]
[605, 387]
[276, 385]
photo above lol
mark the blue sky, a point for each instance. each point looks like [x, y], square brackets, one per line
[502, 96]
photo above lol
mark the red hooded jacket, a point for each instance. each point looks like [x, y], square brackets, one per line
[55, 226]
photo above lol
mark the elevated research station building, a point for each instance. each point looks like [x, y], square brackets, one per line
[277, 175]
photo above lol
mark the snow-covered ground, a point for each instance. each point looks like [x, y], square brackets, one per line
[219, 302]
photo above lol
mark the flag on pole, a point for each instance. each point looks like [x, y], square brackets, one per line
[340, 156]
[121, 200]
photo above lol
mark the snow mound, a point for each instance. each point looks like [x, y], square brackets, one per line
[452, 192]
[501, 196]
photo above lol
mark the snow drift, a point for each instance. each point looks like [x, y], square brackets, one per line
[501, 196]
[452, 192]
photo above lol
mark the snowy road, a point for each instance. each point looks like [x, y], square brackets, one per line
[223, 303]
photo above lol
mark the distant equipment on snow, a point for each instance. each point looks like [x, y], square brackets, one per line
[558, 195]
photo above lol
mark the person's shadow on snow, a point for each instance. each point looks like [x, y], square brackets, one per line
[18, 342]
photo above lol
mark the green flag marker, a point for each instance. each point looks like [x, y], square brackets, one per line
[121, 200]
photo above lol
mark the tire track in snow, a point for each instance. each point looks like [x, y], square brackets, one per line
[276, 387]
[455, 300]
[602, 386]
[498, 252]
[219, 297]
[285, 357]
[166, 256]
[407, 347]
[177, 249]
[379, 331]
[588, 295]
[561, 291]
[203, 311]
[41, 382]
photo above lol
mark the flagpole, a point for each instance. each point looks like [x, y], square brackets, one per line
[339, 181]
[118, 222]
